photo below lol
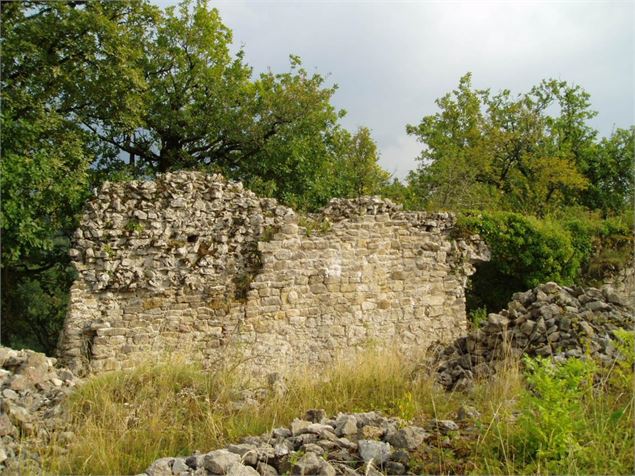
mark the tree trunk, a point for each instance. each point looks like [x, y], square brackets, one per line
[7, 314]
[168, 157]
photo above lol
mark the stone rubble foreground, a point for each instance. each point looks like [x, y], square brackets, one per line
[31, 392]
[349, 444]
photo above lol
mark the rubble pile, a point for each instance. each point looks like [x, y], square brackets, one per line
[549, 320]
[349, 444]
[31, 390]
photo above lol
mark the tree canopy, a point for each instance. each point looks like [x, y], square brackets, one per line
[95, 90]
[532, 153]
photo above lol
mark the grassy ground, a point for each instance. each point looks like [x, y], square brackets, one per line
[574, 420]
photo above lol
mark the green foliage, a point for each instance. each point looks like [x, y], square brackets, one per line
[552, 416]
[537, 250]
[499, 152]
[407, 406]
[610, 172]
[564, 420]
[356, 165]
[527, 251]
[478, 316]
[35, 305]
[314, 226]
[606, 244]
[402, 193]
[44, 172]
[621, 376]
[134, 226]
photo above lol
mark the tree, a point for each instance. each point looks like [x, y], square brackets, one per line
[196, 105]
[609, 169]
[357, 165]
[44, 173]
[496, 151]
[95, 90]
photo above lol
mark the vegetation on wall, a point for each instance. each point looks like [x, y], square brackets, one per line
[527, 251]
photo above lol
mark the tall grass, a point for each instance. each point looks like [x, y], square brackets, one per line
[125, 420]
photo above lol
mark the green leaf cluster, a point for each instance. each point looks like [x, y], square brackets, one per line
[527, 251]
[552, 418]
[533, 153]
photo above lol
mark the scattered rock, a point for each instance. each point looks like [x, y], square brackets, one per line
[467, 412]
[299, 426]
[266, 470]
[346, 425]
[549, 321]
[241, 470]
[311, 463]
[161, 467]
[219, 461]
[409, 438]
[32, 389]
[374, 451]
[442, 426]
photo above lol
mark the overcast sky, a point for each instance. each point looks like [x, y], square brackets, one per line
[392, 59]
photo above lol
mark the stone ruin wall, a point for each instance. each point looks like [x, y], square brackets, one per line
[195, 264]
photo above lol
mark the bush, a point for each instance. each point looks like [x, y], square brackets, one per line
[607, 245]
[527, 251]
[552, 418]
[478, 317]
[568, 419]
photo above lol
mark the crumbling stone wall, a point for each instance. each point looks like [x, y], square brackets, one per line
[196, 264]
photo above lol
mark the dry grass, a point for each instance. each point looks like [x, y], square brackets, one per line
[125, 420]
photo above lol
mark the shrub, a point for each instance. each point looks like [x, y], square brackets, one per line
[527, 251]
[621, 375]
[607, 245]
[552, 413]
[478, 316]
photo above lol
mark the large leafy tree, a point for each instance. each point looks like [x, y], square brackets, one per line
[97, 89]
[526, 153]
[48, 49]
[195, 104]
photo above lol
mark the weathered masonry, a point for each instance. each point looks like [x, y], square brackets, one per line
[195, 264]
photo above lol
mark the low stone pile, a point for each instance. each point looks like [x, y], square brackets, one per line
[550, 320]
[31, 390]
[350, 444]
